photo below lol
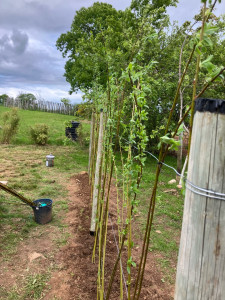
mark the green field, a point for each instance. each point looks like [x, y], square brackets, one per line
[55, 122]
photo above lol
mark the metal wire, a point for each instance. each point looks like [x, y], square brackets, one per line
[204, 194]
[204, 190]
[198, 190]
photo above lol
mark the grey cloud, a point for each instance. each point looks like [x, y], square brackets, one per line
[19, 40]
[28, 56]
[32, 15]
[20, 63]
[41, 20]
[51, 15]
[12, 45]
[32, 67]
[187, 9]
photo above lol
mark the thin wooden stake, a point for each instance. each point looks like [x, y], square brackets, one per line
[97, 179]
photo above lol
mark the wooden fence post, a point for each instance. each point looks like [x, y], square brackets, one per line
[201, 262]
[91, 142]
[97, 179]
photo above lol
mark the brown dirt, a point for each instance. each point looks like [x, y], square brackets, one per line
[74, 276]
[77, 277]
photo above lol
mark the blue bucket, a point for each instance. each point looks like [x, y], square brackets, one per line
[43, 211]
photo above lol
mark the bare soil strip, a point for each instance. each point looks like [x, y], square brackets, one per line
[77, 277]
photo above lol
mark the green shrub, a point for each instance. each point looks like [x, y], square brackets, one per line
[83, 110]
[39, 134]
[10, 126]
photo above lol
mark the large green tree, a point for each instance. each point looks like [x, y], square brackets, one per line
[103, 40]
[94, 29]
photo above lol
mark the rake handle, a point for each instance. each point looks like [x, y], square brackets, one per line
[14, 193]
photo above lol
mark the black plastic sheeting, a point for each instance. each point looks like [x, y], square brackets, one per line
[75, 124]
[210, 105]
[71, 131]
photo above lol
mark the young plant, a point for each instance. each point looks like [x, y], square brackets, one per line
[39, 134]
[10, 126]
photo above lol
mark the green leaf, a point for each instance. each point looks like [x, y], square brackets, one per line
[207, 64]
[210, 29]
[128, 269]
[170, 141]
[180, 129]
[133, 264]
[198, 50]
[208, 41]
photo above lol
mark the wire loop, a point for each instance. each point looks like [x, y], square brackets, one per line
[189, 185]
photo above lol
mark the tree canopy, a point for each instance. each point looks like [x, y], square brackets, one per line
[65, 101]
[93, 29]
[104, 42]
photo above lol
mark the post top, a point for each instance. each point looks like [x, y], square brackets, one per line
[210, 105]
[50, 156]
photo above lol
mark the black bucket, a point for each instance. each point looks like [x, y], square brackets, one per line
[43, 211]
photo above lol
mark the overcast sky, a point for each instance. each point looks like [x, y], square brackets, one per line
[29, 60]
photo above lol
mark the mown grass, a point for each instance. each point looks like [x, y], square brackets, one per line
[24, 169]
[32, 289]
[23, 166]
[55, 122]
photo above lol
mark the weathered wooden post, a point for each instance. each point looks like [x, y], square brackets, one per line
[201, 262]
[91, 142]
[97, 171]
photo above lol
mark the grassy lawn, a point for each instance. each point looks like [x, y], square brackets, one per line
[55, 122]
[23, 166]
[24, 169]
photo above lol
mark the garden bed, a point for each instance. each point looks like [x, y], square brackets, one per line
[77, 277]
